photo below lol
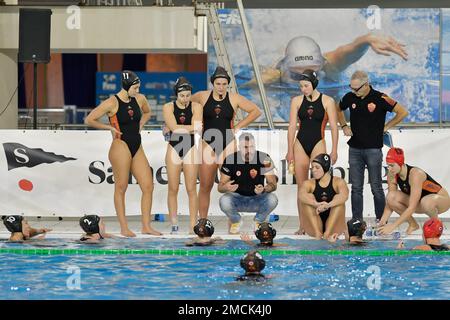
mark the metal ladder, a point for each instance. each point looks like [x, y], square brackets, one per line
[210, 11]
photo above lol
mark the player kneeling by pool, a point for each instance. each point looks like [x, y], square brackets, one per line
[323, 200]
[432, 231]
[20, 229]
[204, 230]
[265, 233]
[411, 190]
[94, 227]
[253, 263]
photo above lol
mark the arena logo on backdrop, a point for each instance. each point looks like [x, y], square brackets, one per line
[18, 155]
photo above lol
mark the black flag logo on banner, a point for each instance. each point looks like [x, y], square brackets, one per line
[19, 155]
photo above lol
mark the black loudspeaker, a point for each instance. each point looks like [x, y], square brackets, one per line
[34, 35]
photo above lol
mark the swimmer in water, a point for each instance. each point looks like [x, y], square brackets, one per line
[21, 230]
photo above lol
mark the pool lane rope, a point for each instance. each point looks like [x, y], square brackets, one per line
[186, 252]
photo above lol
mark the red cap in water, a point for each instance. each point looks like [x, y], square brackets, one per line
[432, 228]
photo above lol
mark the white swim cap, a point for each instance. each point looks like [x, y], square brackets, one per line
[301, 53]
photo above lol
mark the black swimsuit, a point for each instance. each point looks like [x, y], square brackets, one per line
[126, 120]
[218, 119]
[312, 120]
[324, 195]
[441, 247]
[182, 142]
[429, 186]
[251, 277]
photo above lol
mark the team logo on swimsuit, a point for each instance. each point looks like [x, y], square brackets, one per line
[430, 186]
[238, 173]
[130, 112]
[310, 111]
[217, 110]
[353, 105]
[324, 196]
[182, 118]
[253, 173]
[371, 106]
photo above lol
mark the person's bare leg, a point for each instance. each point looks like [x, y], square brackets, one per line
[434, 204]
[312, 222]
[398, 202]
[335, 222]
[301, 162]
[120, 159]
[174, 166]
[190, 171]
[208, 171]
[142, 172]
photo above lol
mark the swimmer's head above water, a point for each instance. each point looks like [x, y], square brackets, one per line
[204, 228]
[266, 233]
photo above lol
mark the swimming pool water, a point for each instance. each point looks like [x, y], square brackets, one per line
[213, 277]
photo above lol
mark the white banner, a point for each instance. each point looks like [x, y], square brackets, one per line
[67, 173]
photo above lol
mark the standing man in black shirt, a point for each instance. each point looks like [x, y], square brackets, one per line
[242, 180]
[368, 108]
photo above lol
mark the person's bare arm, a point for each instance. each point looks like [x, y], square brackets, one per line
[392, 186]
[246, 238]
[197, 117]
[295, 102]
[106, 107]
[279, 244]
[342, 193]
[342, 121]
[306, 194]
[330, 108]
[416, 178]
[35, 232]
[248, 106]
[200, 97]
[400, 113]
[171, 122]
[271, 182]
[226, 184]
[423, 247]
[145, 108]
[344, 56]
[268, 75]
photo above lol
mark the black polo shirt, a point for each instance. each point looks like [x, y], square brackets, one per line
[247, 174]
[367, 118]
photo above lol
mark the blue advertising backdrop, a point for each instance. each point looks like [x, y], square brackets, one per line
[337, 42]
